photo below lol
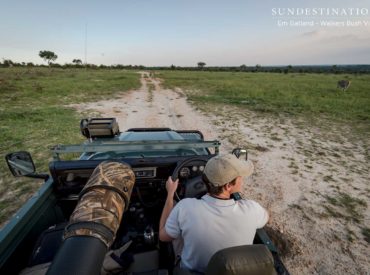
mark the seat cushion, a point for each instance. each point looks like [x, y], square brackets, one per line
[47, 245]
[247, 259]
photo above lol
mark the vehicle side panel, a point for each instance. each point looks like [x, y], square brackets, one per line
[19, 236]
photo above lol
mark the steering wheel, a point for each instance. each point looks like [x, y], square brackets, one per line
[190, 188]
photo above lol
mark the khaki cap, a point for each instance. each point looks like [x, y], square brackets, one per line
[223, 169]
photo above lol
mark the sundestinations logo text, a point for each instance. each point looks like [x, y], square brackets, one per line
[324, 17]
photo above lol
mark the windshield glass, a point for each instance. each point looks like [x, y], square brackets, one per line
[144, 154]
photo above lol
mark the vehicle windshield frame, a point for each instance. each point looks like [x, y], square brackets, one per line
[134, 146]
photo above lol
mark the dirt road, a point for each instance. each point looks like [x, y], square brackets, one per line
[317, 201]
[151, 106]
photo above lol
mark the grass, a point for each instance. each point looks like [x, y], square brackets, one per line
[366, 233]
[34, 116]
[292, 94]
[328, 178]
[150, 91]
[351, 236]
[347, 207]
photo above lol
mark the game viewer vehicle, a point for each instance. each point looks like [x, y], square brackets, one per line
[80, 222]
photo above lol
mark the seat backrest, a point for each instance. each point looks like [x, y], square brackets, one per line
[247, 259]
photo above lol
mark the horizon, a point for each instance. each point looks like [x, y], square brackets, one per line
[192, 66]
[163, 33]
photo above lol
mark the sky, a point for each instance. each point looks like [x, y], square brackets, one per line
[184, 32]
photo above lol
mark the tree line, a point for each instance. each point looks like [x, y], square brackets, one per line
[49, 57]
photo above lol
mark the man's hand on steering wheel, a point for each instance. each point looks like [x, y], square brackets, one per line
[171, 186]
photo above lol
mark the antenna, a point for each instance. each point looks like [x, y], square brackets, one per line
[85, 45]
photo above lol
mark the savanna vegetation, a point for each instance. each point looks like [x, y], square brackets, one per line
[34, 115]
[292, 94]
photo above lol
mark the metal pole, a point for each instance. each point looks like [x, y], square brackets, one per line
[85, 45]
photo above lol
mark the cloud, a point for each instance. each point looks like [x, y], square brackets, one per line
[334, 38]
[314, 34]
[343, 38]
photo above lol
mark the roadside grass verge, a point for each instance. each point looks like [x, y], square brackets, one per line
[33, 117]
[293, 94]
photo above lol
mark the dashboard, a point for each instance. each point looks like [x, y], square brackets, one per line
[184, 173]
[151, 174]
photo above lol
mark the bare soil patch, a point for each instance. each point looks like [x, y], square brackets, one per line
[314, 182]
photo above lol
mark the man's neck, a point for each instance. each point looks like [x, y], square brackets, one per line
[222, 196]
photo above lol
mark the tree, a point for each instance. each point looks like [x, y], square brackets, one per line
[258, 67]
[290, 68]
[201, 65]
[77, 61]
[243, 67]
[8, 63]
[334, 69]
[48, 56]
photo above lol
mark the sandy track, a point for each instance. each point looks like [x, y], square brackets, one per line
[296, 170]
[151, 106]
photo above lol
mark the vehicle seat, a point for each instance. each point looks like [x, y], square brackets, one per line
[238, 260]
[246, 259]
[47, 245]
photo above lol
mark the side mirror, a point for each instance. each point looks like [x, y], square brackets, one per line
[240, 153]
[20, 163]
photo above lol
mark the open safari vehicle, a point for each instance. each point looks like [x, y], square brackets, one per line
[99, 214]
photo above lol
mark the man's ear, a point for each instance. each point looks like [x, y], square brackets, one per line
[227, 187]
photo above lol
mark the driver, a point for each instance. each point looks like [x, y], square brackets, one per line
[216, 221]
